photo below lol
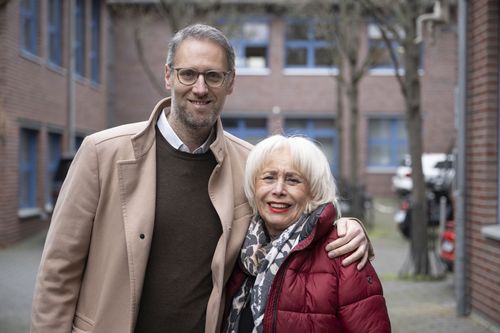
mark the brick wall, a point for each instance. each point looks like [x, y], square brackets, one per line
[34, 95]
[482, 157]
[299, 95]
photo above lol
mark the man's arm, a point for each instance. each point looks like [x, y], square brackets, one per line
[352, 238]
[66, 247]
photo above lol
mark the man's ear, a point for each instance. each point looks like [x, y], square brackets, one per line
[231, 83]
[168, 77]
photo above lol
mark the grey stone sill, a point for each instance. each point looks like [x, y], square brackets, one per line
[25, 213]
[491, 231]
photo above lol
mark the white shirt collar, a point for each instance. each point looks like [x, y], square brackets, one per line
[172, 138]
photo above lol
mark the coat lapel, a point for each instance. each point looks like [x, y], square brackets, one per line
[137, 181]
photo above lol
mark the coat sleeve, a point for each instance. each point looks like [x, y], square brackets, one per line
[362, 305]
[66, 248]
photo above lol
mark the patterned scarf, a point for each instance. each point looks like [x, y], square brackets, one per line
[261, 258]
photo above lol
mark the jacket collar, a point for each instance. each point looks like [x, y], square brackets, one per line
[143, 140]
[325, 215]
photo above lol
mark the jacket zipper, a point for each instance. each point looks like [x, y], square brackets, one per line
[278, 292]
[281, 271]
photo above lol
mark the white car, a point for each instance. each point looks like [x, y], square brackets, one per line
[401, 181]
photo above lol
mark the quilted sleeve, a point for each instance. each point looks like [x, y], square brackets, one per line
[362, 305]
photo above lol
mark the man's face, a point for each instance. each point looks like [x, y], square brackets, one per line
[197, 106]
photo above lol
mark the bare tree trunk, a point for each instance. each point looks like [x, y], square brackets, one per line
[339, 123]
[419, 261]
[353, 93]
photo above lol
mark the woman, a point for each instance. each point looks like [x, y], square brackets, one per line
[285, 281]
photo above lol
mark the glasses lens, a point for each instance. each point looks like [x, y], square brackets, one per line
[187, 76]
[214, 78]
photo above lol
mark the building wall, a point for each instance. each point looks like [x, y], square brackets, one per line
[482, 164]
[34, 96]
[277, 94]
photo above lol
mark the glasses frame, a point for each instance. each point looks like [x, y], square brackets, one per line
[225, 73]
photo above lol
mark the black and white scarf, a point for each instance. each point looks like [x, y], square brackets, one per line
[261, 258]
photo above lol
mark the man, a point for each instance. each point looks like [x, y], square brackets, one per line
[137, 243]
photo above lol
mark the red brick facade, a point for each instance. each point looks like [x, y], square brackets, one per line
[482, 164]
[307, 96]
[33, 95]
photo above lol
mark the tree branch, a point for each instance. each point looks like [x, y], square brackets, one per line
[145, 64]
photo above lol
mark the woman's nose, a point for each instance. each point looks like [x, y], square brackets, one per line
[279, 188]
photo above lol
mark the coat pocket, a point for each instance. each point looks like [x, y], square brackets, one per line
[82, 324]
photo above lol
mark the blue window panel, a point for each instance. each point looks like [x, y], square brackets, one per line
[250, 39]
[306, 45]
[252, 130]
[78, 141]
[95, 51]
[79, 42]
[322, 131]
[54, 155]
[381, 57]
[55, 32]
[28, 168]
[387, 142]
[29, 26]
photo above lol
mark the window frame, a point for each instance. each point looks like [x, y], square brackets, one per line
[378, 40]
[95, 47]
[244, 132]
[312, 132]
[29, 15]
[54, 153]
[54, 32]
[28, 168]
[394, 141]
[240, 44]
[311, 44]
[79, 41]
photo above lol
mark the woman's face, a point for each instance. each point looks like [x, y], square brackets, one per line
[281, 192]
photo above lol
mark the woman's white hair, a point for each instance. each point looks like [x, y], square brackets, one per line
[308, 160]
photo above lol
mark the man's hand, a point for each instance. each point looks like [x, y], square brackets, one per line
[352, 238]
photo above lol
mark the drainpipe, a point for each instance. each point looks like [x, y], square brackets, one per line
[436, 15]
[71, 123]
[462, 308]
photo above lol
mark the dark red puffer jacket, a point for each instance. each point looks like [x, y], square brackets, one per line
[312, 293]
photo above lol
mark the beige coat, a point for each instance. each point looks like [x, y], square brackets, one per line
[96, 252]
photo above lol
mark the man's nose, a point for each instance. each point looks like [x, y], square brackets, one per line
[200, 87]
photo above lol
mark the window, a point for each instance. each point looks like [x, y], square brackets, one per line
[29, 26]
[96, 40]
[28, 168]
[252, 130]
[78, 141]
[250, 40]
[55, 32]
[387, 142]
[321, 130]
[307, 45]
[79, 42]
[381, 57]
[54, 155]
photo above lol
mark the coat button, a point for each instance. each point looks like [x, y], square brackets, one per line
[370, 280]
[142, 236]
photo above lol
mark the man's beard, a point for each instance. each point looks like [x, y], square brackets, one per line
[190, 121]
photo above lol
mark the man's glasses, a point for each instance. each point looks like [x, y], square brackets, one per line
[213, 78]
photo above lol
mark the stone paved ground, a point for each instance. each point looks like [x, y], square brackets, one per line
[18, 266]
[413, 306]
